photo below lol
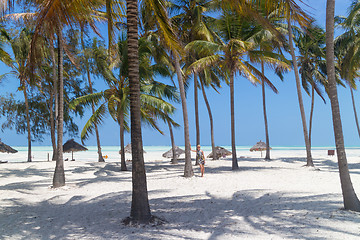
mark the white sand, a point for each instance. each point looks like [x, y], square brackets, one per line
[278, 199]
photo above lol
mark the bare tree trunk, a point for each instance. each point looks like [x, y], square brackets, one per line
[174, 159]
[197, 123]
[140, 208]
[27, 120]
[100, 157]
[59, 175]
[351, 201]
[54, 92]
[122, 143]
[355, 114]
[311, 110]
[188, 171]
[235, 165]
[309, 161]
[267, 141]
[213, 149]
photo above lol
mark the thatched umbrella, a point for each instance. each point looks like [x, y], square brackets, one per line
[259, 146]
[72, 146]
[127, 149]
[169, 154]
[6, 148]
[220, 152]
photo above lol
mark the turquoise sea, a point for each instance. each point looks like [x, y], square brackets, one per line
[154, 153]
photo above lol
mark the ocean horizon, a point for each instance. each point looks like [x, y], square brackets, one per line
[167, 147]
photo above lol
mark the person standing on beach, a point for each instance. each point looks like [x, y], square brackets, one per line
[200, 157]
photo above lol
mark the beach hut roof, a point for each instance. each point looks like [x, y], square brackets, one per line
[127, 149]
[72, 146]
[169, 154]
[6, 148]
[220, 152]
[259, 146]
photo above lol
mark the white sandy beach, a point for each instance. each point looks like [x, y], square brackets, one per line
[278, 199]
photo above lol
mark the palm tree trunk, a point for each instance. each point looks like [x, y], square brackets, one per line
[312, 109]
[309, 161]
[354, 107]
[27, 121]
[188, 171]
[100, 157]
[122, 143]
[140, 209]
[351, 201]
[53, 115]
[197, 123]
[59, 175]
[213, 149]
[174, 160]
[267, 141]
[232, 103]
[110, 24]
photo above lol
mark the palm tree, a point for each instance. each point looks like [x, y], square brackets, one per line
[140, 209]
[20, 46]
[351, 201]
[312, 64]
[230, 55]
[268, 43]
[192, 25]
[51, 17]
[347, 53]
[87, 69]
[161, 22]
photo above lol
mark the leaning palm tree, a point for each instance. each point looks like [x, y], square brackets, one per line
[351, 201]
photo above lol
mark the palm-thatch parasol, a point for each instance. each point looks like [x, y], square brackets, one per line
[127, 149]
[259, 146]
[169, 154]
[72, 146]
[6, 148]
[220, 152]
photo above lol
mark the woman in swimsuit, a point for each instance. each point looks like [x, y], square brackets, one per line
[200, 157]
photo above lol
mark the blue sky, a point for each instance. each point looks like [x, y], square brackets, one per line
[283, 112]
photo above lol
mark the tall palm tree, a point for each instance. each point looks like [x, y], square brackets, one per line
[140, 209]
[50, 19]
[20, 46]
[347, 52]
[312, 65]
[351, 201]
[87, 69]
[156, 11]
[230, 55]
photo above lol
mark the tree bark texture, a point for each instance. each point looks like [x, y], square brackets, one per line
[197, 122]
[122, 142]
[351, 201]
[52, 104]
[188, 170]
[59, 175]
[311, 110]
[213, 149]
[27, 120]
[267, 141]
[309, 161]
[174, 160]
[232, 107]
[140, 209]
